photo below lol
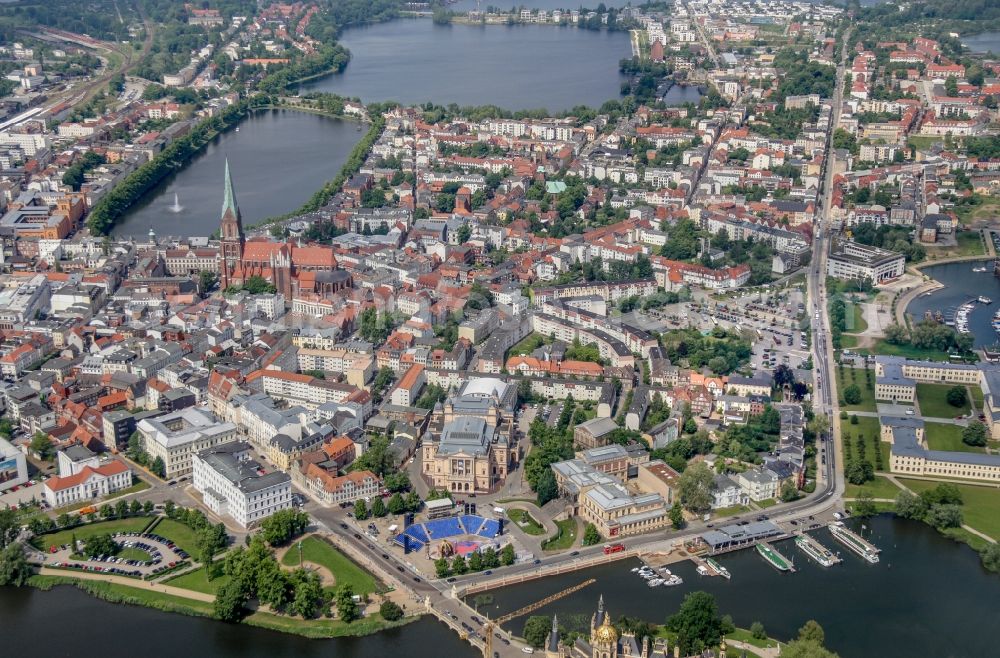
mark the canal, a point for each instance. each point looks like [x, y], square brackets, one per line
[515, 67]
[68, 622]
[961, 285]
[279, 158]
[927, 596]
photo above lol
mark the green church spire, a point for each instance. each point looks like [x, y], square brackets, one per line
[229, 197]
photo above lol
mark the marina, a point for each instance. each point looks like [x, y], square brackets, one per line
[961, 283]
[854, 541]
[774, 558]
[816, 550]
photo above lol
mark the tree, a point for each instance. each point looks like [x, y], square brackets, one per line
[697, 623]
[206, 281]
[859, 472]
[459, 566]
[974, 434]
[378, 508]
[591, 536]
[811, 631]
[101, 544]
[546, 487]
[910, 506]
[757, 631]
[396, 504]
[476, 561]
[789, 492]
[273, 586]
[229, 600]
[536, 630]
[695, 487]
[944, 516]
[852, 394]
[864, 506]
[15, 570]
[158, 468]
[390, 611]
[284, 525]
[957, 396]
[507, 555]
[441, 568]
[41, 445]
[10, 527]
[990, 556]
[309, 596]
[347, 608]
[676, 516]
[360, 510]
[800, 649]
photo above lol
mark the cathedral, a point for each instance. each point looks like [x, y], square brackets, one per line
[292, 268]
[605, 642]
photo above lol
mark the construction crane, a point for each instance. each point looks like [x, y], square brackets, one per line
[491, 624]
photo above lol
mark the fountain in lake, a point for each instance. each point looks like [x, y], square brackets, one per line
[177, 207]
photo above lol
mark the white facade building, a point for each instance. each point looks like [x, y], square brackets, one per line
[231, 484]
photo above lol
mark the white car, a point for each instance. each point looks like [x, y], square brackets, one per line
[528, 650]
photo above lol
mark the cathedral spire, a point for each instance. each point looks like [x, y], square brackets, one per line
[229, 197]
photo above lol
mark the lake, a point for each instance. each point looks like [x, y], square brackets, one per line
[928, 596]
[961, 285]
[68, 622]
[516, 67]
[983, 43]
[278, 159]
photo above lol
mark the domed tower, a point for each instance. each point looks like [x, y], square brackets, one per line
[604, 641]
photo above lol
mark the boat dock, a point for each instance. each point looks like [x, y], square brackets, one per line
[774, 558]
[854, 541]
[816, 550]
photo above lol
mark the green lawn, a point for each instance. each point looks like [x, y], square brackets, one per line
[844, 379]
[883, 346]
[869, 428]
[563, 539]
[134, 554]
[942, 436]
[198, 581]
[318, 551]
[933, 402]
[729, 511]
[529, 344]
[764, 504]
[185, 538]
[849, 342]
[970, 243]
[880, 487]
[116, 593]
[980, 504]
[856, 323]
[525, 522]
[87, 530]
[922, 142]
[977, 396]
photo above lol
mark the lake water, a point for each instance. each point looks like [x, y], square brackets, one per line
[961, 285]
[928, 596]
[983, 43]
[68, 622]
[515, 67]
[278, 159]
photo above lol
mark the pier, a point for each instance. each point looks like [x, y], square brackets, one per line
[816, 550]
[774, 558]
[854, 541]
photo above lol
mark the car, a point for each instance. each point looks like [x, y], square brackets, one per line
[451, 580]
[399, 569]
[537, 561]
[384, 556]
[416, 580]
[476, 620]
[357, 536]
[344, 526]
[574, 553]
[527, 650]
[488, 572]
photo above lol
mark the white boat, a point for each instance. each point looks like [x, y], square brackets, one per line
[703, 570]
[978, 269]
[673, 581]
[665, 571]
[656, 582]
[635, 569]
[983, 299]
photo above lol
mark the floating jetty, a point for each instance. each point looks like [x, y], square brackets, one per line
[719, 569]
[816, 550]
[774, 558]
[854, 541]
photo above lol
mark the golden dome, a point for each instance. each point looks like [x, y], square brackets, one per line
[606, 633]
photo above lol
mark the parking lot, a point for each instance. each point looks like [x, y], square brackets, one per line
[163, 554]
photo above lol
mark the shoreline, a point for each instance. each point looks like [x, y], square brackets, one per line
[125, 595]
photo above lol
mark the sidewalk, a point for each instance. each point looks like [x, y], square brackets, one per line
[130, 582]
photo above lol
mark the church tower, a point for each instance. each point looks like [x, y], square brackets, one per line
[232, 232]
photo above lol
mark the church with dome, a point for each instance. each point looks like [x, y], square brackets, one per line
[606, 642]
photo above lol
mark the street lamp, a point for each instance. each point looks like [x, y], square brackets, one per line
[300, 554]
